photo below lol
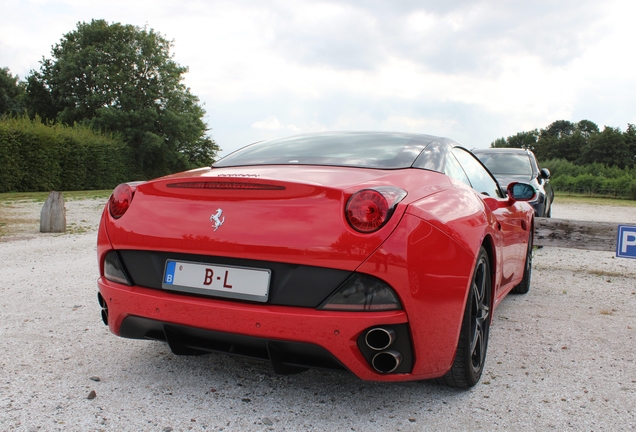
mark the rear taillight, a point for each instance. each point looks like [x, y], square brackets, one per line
[369, 209]
[120, 200]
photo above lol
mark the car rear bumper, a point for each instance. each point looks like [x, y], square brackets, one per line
[292, 338]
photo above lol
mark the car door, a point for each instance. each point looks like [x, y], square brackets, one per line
[511, 222]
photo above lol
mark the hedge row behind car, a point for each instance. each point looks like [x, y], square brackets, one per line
[38, 157]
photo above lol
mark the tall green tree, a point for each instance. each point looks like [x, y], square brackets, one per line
[563, 139]
[559, 129]
[123, 79]
[499, 143]
[526, 140]
[630, 141]
[11, 94]
[609, 148]
[555, 140]
[587, 128]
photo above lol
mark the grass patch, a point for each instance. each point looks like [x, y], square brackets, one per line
[10, 197]
[76, 229]
[564, 198]
[7, 224]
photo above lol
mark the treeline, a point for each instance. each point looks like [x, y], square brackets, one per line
[582, 158]
[592, 180]
[39, 157]
[118, 79]
[581, 143]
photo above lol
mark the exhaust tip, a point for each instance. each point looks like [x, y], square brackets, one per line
[104, 306]
[379, 338]
[386, 361]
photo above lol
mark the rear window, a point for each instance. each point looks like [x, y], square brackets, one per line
[365, 150]
[507, 164]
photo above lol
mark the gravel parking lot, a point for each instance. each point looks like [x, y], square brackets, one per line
[561, 357]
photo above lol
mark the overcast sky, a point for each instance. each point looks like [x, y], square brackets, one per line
[469, 70]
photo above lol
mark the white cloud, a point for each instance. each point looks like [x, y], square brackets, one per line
[272, 123]
[471, 70]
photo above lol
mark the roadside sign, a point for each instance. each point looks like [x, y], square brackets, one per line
[626, 242]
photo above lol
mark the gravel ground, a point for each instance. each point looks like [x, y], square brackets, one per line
[561, 357]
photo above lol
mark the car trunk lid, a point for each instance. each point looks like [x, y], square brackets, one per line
[286, 214]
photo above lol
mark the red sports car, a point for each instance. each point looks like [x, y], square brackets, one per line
[383, 254]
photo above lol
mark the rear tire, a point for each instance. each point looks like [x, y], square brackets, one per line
[524, 285]
[470, 356]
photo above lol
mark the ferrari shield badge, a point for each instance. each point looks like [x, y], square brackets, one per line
[217, 219]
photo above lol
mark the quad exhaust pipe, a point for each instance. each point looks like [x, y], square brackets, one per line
[386, 361]
[380, 339]
[104, 306]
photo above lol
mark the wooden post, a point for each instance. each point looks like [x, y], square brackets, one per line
[53, 214]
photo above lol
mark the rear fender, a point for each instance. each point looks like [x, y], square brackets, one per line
[458, 214]
[103, 241]
[430, 273]
[494, 270]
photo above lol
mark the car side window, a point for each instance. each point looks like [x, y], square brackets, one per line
[535, 167]
[479, 178]
[454, 170]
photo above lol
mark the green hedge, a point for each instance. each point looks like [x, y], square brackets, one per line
[592, 180]
[37, 157]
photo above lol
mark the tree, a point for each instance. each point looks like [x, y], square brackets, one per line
[630, 140]
[563, 139]
[587, 128]
[609, 148]
[526, 140]
[11, 94]
[559, 129]
[123, 79]
[499, 143]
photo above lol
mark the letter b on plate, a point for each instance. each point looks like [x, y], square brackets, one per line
[209, 274]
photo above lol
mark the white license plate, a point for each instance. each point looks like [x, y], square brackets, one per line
[223, 281]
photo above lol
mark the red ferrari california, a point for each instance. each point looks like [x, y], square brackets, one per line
[384, 254]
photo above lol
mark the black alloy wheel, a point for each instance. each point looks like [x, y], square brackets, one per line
[473, 339]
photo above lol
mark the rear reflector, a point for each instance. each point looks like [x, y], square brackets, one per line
[362, 293]
[225, 185]
[113, 270]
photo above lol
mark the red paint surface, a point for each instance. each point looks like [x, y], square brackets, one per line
[426, 252]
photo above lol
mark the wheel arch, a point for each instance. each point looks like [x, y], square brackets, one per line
[488, 245]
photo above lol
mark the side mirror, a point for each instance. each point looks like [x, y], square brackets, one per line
[521, 191]
[545, 173]
[516, 192]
